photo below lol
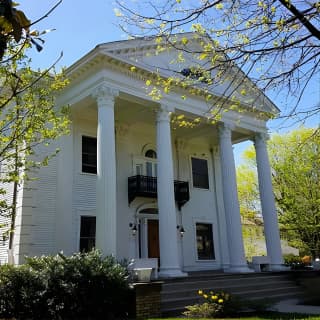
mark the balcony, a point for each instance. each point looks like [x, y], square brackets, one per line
[144, 186]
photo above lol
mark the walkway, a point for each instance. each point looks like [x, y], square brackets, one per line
[291, 305]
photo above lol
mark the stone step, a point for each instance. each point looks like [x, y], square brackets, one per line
[178, 293]
[242, 293]
[213, 283]
[249, 287]
[176, 307]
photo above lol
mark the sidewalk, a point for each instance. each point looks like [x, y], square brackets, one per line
[292, 306]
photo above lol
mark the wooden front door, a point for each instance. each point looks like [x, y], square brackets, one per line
[153, 239]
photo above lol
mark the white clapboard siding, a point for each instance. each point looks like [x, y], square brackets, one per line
[4, 245]
[44, 197]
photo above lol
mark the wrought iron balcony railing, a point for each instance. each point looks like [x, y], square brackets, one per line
[145, 186]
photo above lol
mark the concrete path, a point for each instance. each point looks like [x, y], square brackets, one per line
[292, 305]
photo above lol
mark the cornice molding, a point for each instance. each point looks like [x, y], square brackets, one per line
[107, 59]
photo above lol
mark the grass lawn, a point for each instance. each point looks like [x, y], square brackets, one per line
[279, 317]
[266, 316]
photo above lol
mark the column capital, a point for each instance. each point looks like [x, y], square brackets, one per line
[164, 112]
[214, 150]
[260, 139]
[104, 94]
[225, 130]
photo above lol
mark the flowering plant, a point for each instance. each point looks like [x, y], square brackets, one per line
[216, 304]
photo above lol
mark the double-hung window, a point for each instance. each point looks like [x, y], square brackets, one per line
[200, 177]
[87, 233]
[89, 154]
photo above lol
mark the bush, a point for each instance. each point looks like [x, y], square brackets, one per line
[83, 286]
[216, 304]
[291, 259]
[21, 292]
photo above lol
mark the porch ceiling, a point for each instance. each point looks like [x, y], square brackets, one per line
[137, 112]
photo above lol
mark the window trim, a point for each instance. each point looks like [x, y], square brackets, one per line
[208, 172]
[142, 161]
[79, 228]
[88, 135]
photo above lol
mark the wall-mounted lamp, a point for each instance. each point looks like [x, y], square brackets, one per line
[181, 230]
[133, 228]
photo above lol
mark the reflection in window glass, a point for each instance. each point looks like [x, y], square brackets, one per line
[89, 154]
[149, 169]
[205, 246]
[151, 154]
[87, 233]
[200, 173]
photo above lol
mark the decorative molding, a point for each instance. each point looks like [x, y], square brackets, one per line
[181, 144]
[105, 95]
[164, 112]
[215, 150]
[260, 139]
[225, 130]
[121, 129]
[147, 147]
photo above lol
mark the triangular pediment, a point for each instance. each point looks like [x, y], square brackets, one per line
[154, 57]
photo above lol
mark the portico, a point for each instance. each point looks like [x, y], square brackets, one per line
[133, 183]
[169, 237]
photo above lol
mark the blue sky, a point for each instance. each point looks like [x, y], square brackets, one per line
[81, 25]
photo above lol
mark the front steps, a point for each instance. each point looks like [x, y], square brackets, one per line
[178, 293]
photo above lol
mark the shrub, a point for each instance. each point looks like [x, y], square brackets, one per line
[21, 292]
[82, 286]
[291, 259]
[216, 304]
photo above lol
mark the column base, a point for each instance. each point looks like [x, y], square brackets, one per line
[278, 267]
[238, 269]
[171, 273]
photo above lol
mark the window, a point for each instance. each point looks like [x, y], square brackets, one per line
[89, 154]
[87, 233]
[200, 173]
[199, 74]
[151, 154]
[147, 164]
[205, 246]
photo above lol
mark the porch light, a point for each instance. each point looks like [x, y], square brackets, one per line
[181, 230]
[133, 228]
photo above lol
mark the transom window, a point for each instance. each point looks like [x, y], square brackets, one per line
[87, 233]
[205, 248]
[89, 154]
[151, 154]
[200, 173]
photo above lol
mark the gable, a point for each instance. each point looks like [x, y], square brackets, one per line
[234, 88]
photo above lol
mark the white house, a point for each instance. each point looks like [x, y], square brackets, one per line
[129, 182]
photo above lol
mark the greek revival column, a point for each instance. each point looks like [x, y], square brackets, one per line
[269, 213]
[106, 223]
[231, 202]
[169, 254]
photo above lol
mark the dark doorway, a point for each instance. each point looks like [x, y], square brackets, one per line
[153, 239]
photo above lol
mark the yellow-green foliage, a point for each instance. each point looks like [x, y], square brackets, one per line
[29, 117]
